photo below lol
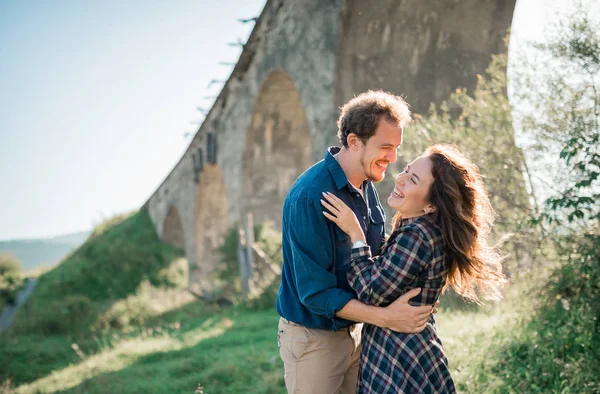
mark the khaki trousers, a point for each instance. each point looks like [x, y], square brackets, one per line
[319, 361]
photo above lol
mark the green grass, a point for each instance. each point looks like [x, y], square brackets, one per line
[234, 350]
[230, 351]
[143, 334]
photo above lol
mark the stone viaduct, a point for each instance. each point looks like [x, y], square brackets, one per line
[276, 114]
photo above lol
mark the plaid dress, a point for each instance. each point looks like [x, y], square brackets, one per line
[393, 362]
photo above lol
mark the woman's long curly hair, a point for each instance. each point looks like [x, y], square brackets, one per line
[465, 216]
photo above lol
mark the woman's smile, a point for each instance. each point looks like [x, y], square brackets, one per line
[396, 192]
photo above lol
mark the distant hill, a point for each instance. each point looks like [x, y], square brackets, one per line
[33, 253]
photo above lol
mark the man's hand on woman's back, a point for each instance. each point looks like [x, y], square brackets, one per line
[400, 316]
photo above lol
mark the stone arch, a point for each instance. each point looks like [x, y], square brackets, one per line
[211, 222]
[173, 229]
[278, 147]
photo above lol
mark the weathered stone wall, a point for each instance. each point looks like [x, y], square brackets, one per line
[296, 41]
[278, 148]
[211, 221]
[422, 50]
[276, 114]
[173, 229]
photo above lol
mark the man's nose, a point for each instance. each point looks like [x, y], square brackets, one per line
[392, 157]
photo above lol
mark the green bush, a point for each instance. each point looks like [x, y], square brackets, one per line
[578, 278]
[146, 303]
[9, 286]
[64, 315]
[559, 349]
[9, 264]
[133, 311]
[11, 279]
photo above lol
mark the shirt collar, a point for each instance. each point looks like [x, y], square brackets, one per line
[338, 174]
[336, 171]
[406, 222]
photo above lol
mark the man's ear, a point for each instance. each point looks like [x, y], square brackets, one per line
[353, 142]
[431, 208]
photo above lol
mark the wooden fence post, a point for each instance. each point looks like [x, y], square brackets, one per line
[244, 277]
[249, 244]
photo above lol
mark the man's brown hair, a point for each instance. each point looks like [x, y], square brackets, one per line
[362, 114]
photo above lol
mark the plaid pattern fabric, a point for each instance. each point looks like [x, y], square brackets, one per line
[393, 362]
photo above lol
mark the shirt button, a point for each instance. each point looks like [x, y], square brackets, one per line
[364, 218]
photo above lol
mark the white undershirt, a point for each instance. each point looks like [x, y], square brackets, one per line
[360, 191]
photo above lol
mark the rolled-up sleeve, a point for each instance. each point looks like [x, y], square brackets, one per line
[313, 255]
[381, 280]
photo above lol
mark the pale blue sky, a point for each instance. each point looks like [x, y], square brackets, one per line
[95, 97]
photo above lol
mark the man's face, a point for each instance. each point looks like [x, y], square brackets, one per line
[380, 150]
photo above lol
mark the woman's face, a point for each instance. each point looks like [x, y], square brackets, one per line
[409, 196]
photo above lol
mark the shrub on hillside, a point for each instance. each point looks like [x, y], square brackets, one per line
[9, 264]
[147, 302]
[10, 279]
[63, 315]
[132, 311]
[109, 223]
[559, 348]
[578, 279]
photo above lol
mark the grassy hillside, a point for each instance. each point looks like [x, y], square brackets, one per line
[121, 258]
[33, 253]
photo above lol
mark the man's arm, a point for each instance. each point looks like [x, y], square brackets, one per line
[382, 279]
[399, 316]
[312, 257]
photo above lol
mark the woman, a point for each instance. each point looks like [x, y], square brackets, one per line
[439, 238]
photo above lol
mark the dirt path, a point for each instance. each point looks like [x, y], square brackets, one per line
[9, 311]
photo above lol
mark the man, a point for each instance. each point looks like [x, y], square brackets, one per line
[318, 336]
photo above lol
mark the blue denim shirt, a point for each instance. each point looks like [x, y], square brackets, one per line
[316, 253]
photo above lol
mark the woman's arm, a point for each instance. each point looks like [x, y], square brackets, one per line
[382, 279]
[399, 315]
